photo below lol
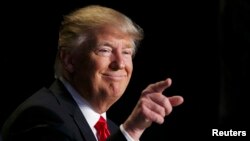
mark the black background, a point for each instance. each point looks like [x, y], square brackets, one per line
[201, 45]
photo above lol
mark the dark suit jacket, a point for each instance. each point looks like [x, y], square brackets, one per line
[52, 115]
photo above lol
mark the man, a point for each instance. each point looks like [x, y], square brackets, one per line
[93, 68]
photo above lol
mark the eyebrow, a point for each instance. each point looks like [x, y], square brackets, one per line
[107, 43]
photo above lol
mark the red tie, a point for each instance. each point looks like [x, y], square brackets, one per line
[102, 129]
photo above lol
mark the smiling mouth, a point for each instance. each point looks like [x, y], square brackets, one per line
[114, 77]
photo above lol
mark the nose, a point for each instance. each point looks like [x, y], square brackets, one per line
[117, 62]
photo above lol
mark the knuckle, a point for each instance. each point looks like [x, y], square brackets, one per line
[159, 120]
[168, 110]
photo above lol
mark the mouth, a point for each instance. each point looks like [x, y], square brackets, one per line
[114, 77]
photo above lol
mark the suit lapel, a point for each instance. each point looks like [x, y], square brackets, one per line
[112, 126]
[81, 122]
[71, 107]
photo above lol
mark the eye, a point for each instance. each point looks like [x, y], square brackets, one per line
[103, 51]
[127, 51]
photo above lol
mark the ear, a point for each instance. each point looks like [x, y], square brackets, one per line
[67, 61]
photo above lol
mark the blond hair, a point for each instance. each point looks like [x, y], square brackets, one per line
[78, 26]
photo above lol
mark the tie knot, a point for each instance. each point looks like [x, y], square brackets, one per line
[102, 129]
[101, 123]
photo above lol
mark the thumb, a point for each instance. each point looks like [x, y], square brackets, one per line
[176, 100]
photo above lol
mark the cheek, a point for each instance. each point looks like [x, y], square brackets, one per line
[129, 66]
[100, 65]
[85, 67]
[96, 67]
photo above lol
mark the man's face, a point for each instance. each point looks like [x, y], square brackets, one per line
[106, 69]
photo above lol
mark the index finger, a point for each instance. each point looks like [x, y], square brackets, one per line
[158, 87]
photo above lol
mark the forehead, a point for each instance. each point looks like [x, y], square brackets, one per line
[111, 35]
